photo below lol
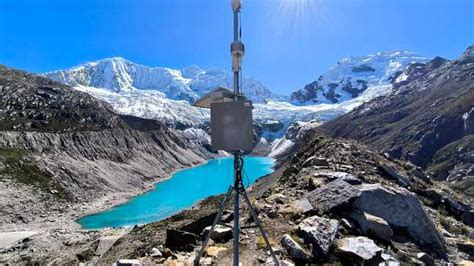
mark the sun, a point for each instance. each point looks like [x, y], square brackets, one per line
[298, 9]
[292, 16]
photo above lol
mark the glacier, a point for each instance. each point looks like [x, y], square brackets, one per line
[351, 76]
[119, 75]
[166, 94]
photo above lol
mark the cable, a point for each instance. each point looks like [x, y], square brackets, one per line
[247, 177]
[239, 168]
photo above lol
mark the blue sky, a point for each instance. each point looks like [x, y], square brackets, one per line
[289, 42]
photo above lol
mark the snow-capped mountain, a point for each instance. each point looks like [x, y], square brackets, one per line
[120, 75]
[165, 94]
[353, 75]
[151, 104]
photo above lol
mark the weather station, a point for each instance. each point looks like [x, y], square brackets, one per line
[232, 131]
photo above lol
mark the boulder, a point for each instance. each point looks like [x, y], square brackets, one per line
[155, 253]
[401, 180]
[425, 258]
[333, 195]
[216, 252]
[205, 261]
[295, 251]
[272, 214]
[401, 209]
[372, 225]
[456, 208]
[333, 175]
[352, 180]
[453, 206]
[347, 224]
[316, 161]
[302, 206]
[227, 217]
[168, 253]
[220, 234]
[358, 250]
[180, 240]
[388, 260]
[468, 217]
[459, 210]
[466, 247]
[198, 225]
[277, 198]
[314, 182]
[319, 232]
[286, 263]
[127, 262]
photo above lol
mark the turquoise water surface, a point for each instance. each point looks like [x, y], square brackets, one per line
[183, 189]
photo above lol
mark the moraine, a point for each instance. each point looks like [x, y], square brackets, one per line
[182, 190]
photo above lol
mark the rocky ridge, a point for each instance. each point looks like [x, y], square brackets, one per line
[64, 154]
[34, 103]
[426, 119]
[331, 201]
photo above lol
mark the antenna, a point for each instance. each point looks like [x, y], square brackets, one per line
[232, 130]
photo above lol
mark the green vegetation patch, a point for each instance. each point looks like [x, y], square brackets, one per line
[452, 227]
[17, 164]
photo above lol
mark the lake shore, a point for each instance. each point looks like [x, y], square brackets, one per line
[54, 222]
[55, 229]
[191, 184]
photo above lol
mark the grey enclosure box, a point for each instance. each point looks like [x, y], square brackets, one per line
[231, 126]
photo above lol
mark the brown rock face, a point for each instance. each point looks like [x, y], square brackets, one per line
[427, 111]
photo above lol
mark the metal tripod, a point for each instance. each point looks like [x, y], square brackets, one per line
[237, 189]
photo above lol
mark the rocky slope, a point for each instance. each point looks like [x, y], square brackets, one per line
[331, 201]
[33, 103]
[351, 76]
[428, 118]
[64, 153]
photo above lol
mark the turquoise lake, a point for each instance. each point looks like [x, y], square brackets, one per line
[182, 190]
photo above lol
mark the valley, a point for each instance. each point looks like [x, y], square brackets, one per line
[375, 154]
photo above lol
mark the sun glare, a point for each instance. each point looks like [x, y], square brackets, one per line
[298, 9]
[290, 16]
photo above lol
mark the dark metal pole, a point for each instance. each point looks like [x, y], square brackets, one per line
[237, 166]
[236, 228]
[236, 39]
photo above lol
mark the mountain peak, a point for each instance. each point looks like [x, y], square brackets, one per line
[117, 74]
[191, 71]
[115, 59]
[351, 76]
[109, 60]
[468, 55]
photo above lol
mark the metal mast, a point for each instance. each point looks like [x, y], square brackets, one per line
[237, 50]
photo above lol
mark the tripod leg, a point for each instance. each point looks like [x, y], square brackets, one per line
[260, 227]
[216, 220]
[236, 228]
